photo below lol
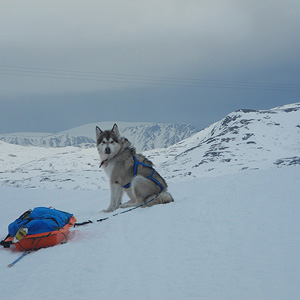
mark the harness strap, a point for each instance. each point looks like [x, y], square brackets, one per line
[126, 186]
[136, 163]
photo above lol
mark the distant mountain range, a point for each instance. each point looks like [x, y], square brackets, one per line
[243, 140]
[144, 136]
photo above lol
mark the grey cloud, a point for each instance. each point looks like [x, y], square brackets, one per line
[230, 40]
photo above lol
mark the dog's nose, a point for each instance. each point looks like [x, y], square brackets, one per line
[107, 150]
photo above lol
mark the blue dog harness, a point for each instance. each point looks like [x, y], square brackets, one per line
[136, 163]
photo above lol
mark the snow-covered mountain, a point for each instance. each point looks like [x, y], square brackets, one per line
[47, 140]
[243, 140]
[144, 136]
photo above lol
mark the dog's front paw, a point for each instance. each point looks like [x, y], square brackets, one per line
[123, 205]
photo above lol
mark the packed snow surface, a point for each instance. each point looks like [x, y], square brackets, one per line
[228, 237]
[232, 232]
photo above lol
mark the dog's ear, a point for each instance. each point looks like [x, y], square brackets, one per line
[98, 132]
[115, 129]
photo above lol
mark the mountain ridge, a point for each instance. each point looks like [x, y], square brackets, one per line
[261, 135]
[144, 136]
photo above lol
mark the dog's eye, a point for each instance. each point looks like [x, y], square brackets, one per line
[112, 142]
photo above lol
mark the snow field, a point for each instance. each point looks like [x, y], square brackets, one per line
[228, 237]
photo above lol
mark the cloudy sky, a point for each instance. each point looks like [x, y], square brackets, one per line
[65, 63]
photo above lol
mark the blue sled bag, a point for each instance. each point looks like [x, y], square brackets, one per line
[41, 219]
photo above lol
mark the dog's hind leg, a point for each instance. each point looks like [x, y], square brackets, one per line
[144, 190]
[163, 198]
[115, 197]
[138, 184]
[132, 202]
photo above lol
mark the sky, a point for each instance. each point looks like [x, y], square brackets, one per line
[68, 63]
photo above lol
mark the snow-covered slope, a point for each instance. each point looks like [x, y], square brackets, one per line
[54, 168]
[231, 234]
[145, 136]
[232, 237]
[241, 141]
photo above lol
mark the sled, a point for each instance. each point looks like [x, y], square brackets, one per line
[45, 239]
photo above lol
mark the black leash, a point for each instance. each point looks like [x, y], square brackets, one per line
[6, 244]
[117, 214]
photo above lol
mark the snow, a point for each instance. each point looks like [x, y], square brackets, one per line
[232, 232]
[228, 237]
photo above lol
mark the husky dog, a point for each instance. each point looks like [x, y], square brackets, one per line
[129, 171]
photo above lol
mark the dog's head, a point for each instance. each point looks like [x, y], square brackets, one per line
[109, 142]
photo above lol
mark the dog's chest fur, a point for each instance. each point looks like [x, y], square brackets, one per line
[108, 168]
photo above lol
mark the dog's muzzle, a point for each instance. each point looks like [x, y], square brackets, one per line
[107, 150]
